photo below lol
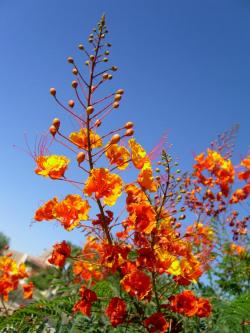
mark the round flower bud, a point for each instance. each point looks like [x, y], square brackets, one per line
[70, 60]
[129, 125]
[105, 60]
[120, 91]
[98, 123]
[56, 122]
[90, 110]
[115, 138]
[114, 68]
[87, 62]
[110, 77]
[108, 44]
[71, 103]
[80, 157]
[53, 130]
[80, 47]
[105, 76]
[116, 105]
[102, 35]
[106, 52]
[74, 71]
[118, 97]
[129, 132]
[92, 57]
[52, 91]
[74, 84]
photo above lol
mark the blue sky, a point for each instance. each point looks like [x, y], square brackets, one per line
[184, 65]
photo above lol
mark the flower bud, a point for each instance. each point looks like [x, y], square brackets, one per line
[108, 44]
[114, 68]
[53, 130]
[74, 71]
[115, 138]
[129, 125]
[106, 52]
[70, 60]
[110, 77]
[80, 157]
[56, 122]
[116, 105]
[74, 84]
[71, 103]
[105, 76]
[98, 123]
[87, 62]
[90, 110]
[129, 132]
[120, 91]
[52, 91]
[80, 47]
[105, 60]
[118, 97]
[92, 57]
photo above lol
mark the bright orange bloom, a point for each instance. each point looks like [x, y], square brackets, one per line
[116, 311]
[53, 166]
[240, 194]
[138, 154]
[46, 212]
[10, 274]
[113, 256]
[146, 179]
[134, 196]
[60, 253]
[80, 139]
[87, 298]
[204, 308]
[118, 155]
[137, 284]
[28, 290]
[217, 166]
[104, 185]
[185, 303]
[246, 162]
[71, 211]
[156, 323]
[142, 218]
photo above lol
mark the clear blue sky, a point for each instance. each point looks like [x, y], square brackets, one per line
[185, 66]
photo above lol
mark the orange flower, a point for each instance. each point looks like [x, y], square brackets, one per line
[28, 290]
[204, 308]
[221, 169]
[116, 311]
[53, 166]
[138, 154]
[10, 274]
[87, 298]
[118, 155]
[143, 217]
[146, 179]
[60, 253]
[137, 284]
[240, 194]
[113, 256]
[46, 212]
[104, 185]
[246, 162]
[184, 303]
[80, 139]
[71, 211]
[156, 323]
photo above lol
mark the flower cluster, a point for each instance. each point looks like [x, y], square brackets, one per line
[10, 276]
[143, 245]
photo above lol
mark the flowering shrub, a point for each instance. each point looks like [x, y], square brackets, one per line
[151, 256]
